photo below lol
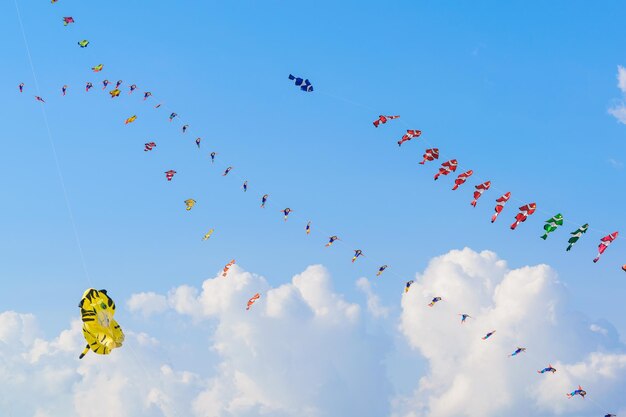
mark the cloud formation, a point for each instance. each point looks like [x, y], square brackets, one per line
[618, 110]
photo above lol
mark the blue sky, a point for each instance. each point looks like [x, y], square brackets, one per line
[517, 92]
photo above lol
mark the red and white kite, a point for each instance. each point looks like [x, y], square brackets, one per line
[523, 214]
[446, 168]
[460, 180]
[480, 189]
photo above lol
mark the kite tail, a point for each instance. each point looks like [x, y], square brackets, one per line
[84, 352]
[353, 259]
[494, 217]
[473, 203]
[596, 259]
[514, 225]
[437, 176]
[569, 247]
[291, 77]
[431, 304]
[545, 236]
[455, 187]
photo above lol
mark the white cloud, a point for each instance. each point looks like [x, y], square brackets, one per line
[618, 110]
[621, 78]
[374, 304]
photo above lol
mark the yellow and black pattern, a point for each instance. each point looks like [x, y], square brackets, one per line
[100, 330]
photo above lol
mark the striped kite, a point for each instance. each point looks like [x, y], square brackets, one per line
[460, 180]
[552, 224]
[410, 134]
[118, 83]
[331, 240]
[548, 369]
[357, 253]
[133, 87]
[577, 234]
[252, 300]
[130, 119]
[207, 234]
[149, 146]
[105, 84]
[227, 267]
[480, 189]
[488, 335]
[446, 168]
[524, 212]
[286, 212]
[381, 269]
[383, 119]
[100, 329]
[88, 86]
[580, 391]
[97, 68]
[408, 285]
[189, 203]
[304, 84]
[430, 155]
[170, 174]
[434, 301]
[146, 94]
[500, 202]
[605, 242]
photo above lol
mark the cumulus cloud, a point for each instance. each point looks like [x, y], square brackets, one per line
[618, 110]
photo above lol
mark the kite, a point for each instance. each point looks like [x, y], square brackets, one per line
[245, 186]
[410, 134]
[446, 168]
[130, 119]
[149, 146]
[213, 156]
[286, 212]
[580, 391]
[523, 214]
[488, 335]
[105, 84]
[605, 242]
[552, 224]
[185, 127]
[304, 85]
[357, 253]
[434, 301]
[227, 171]
[408, 285]
[624, 267]
[97, 68]
[88, 86]
[100, 329]
[381, 269]
[21, 87]
[480, 189]
[157, 106]
[331, 240]
[53, 1]
[64, 90]
[464, 317]
[460, 180]
[383, 119]
[610, 415]
[83, 43]
[172, 116]
[548, 369]
[189, 204]
[198, 140]
[430, 155]
[67, 20]
[170, 174]
[207, 235]
[39, 99]
[264, 200]
[146, 94]
[517, 351]
[252, 300]
[227, 267]
[115, 93]
[501, 201]
[118, 83]
[308, 228]
[133, 87]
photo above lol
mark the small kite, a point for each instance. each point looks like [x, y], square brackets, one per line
[408, 285]
[517, 351]
[610, 415]
[460, 180]
[100, 329]
[97, 68]
[115, 93]
[130, 119]
[304, 84]
[149, 146]
[133, 87]
[383, 119]
[172, 116]
[624, 267]
[480, 189]
[464, 317]
[227, 267]
[146, 94]
[552, 224]
[213, 157]
[308, 228]
[63, 90]
[67, 20]
[207, 235]
[548, 369]
[227, 171]
[580, 391]
[286, 212]
[331, 240]
[252, 300]
[381, 269]
[39, 99]
[189, 203]
[170, 174]
[605, 242]
[500, 202]
[264, 200]
[434, 301]
[105, 84]
[21, 87]
[53, 1]
[198, 140]
[88, 86]
[83, 43]
[118, 83]
[185, 127]
[157, 106]
[446, 168]
[245, 186]
[357, 253]
[523, 214]
[488, 335]
[430, 155]
[410, 134]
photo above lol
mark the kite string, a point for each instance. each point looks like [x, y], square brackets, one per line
[54, 150]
